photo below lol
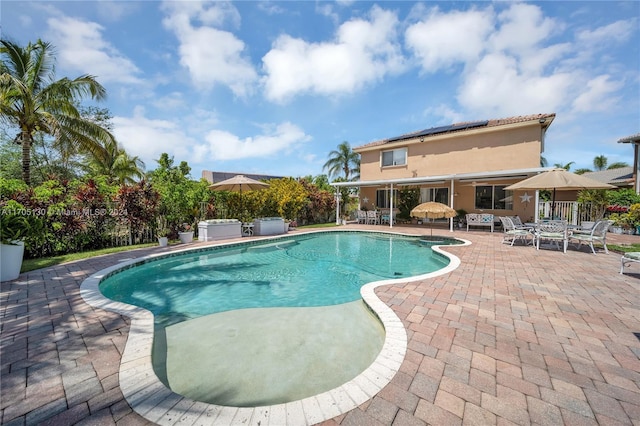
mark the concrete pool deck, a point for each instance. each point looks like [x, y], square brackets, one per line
[513, 335]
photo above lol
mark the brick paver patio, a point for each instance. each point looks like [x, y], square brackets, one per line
[513, 336]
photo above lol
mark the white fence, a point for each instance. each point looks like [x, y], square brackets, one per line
[571, 211]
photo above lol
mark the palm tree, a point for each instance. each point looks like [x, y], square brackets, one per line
[543, 161]
[343, 160]
[118, 165]
[617, 165]
[581, 171]
[33, 101]
[565, 166]
[600, 162]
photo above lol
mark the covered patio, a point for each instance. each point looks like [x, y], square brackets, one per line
[512, 336]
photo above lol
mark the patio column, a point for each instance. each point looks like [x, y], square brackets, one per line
[337, 206]
[451, 195]
[391, 207]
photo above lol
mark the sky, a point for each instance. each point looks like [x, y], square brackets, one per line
[272, 87]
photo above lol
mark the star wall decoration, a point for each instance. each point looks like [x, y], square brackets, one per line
[525, 198]
[365, 200]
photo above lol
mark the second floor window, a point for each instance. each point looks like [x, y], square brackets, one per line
[394, 157]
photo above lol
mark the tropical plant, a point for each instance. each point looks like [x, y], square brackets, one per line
[343, 161]
[407, 200]
[617, 165]
[15, 224]
[118, 165]
[581, 171]
[34, 102]
[565, 166]
[600, 162]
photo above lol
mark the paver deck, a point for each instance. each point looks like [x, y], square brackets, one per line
[513, 336]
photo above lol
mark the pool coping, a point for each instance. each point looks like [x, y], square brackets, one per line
[150, 398]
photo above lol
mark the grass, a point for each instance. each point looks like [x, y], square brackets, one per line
[623, 248]
[44, 262]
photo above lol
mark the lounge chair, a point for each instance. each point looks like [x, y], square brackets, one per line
[628, 258]
[597, 234]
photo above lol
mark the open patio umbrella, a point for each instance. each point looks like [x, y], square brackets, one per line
[238, 183]
[558, 179]
[433, 210]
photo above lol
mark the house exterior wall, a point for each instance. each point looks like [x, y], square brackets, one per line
[498, 148]
[505, 147]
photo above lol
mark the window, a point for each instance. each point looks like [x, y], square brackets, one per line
[383, 201]
[493, 197]
[395, 157]
[439, 195]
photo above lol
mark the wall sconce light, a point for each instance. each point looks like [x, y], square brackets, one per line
[421, 139]
[455, 194]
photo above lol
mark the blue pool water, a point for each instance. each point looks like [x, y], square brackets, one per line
[317, 269]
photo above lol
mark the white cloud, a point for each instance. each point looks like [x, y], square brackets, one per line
[212, 56]
[442, 40]
[148, 138]
[616, 32]
[223, 145]
[598, 95]
[522, 27]
[81, 47]
[364, 52]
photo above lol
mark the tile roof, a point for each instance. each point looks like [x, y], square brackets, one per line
[632, 138]
[620, 177]
[490, 123]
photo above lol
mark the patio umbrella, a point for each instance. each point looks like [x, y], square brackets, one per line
[237, 184]
[558, 179]
[433, 210]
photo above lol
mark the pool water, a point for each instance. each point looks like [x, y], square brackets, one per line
[317, 269]
[266, 322]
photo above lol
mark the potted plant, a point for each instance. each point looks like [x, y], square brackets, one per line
[12, 232]
[162, 232]
[186, 233]
[462, 213]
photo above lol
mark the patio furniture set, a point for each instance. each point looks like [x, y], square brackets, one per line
[555, 232]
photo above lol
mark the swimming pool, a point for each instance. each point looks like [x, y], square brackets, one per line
[155, 401]
[297, 271]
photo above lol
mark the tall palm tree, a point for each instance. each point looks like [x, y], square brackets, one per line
[600, 162]
[618, 165]
[343, 160]
[33, 101]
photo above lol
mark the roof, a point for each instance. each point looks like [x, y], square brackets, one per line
[463, 177]
[543, 119]
[622, 176]
[630, 139]
[214, 177]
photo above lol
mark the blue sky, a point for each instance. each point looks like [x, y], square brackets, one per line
[273, 87]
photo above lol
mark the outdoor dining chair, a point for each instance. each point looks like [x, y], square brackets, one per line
[553, 231]
[598, 234]
[512, 233]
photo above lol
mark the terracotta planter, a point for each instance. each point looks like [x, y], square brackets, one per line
[11, 260]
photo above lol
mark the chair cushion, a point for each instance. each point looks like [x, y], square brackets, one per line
[634, 255]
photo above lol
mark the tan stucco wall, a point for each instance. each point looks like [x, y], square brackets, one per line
[510, 147]
[501, 148]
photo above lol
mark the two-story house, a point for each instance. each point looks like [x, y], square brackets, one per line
[464, 165]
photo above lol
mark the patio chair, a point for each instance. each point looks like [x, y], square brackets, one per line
[552, 231]
[511, 233]
[597, 234]
[362, 216]
[372, 217]
[629, 258]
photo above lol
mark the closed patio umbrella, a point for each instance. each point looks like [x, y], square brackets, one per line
[558, 179]
[433, 210]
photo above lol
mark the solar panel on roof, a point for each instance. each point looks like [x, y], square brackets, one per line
[441, 129]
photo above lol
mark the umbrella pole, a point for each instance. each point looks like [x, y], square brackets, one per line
[553, 205]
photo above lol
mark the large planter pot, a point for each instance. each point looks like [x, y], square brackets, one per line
[163, 241]
[11, 260]
[185, 237]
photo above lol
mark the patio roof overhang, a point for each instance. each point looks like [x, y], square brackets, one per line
[462, 177]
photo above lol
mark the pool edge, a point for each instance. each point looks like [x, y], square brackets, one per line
[150, 398]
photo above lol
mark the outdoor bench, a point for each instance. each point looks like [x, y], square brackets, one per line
[479, 219]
